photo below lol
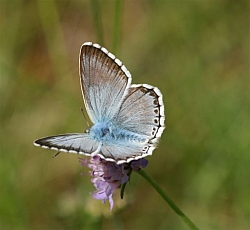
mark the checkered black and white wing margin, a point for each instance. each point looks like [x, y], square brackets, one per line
[128, 119]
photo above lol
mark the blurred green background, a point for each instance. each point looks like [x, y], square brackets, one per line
[196, 52]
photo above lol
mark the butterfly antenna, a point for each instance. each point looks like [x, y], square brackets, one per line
[85, 117]
[56, 154]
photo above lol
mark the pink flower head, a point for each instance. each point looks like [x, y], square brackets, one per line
[109, 176]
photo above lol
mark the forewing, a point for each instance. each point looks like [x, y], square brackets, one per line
[104, 82]
[142, 112]
[79, 143]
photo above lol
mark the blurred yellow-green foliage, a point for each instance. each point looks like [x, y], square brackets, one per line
[196, 52]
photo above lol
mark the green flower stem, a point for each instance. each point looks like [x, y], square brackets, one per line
[167, 199]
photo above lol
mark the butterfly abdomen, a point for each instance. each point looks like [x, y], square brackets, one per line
[106, 132]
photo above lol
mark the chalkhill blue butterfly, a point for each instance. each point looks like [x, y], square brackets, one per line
[128, 119]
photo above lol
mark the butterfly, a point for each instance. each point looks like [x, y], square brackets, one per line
[128, 119]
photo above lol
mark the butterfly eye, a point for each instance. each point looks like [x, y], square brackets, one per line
[87, 131]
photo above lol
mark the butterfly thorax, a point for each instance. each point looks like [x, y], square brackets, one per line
[110, 133]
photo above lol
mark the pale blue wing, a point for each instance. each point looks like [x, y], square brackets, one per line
[142, 112]
[129, 119]
[125, 152]
[104, 82]
[139, 122]
[79, 143]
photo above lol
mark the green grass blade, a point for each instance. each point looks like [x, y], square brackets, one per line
[54, 36]
[97, 20]
[117, 24]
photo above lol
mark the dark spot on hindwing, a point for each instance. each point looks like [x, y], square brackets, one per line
[144, 90]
